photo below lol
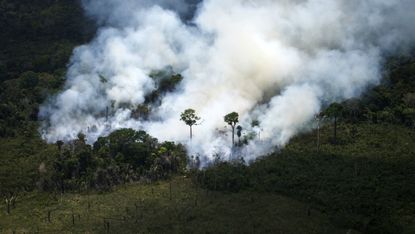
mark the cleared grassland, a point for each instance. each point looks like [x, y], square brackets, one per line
[154, 209]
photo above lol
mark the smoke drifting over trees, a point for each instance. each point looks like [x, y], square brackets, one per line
[275, 61]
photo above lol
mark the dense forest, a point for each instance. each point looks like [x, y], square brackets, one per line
[357, 169]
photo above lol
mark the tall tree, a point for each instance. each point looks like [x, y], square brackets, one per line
[190, 118]
[232, 119]
[334, 111]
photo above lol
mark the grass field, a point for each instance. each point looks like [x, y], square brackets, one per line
[151, 209]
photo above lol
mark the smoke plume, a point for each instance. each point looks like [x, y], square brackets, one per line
[275, 61]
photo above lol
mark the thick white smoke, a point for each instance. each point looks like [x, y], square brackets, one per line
[277, 61]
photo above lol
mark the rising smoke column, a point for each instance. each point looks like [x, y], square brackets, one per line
[277, 61]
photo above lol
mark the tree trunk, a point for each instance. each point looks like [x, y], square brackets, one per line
[335, 130]
[191, 132]
[318, 137]
[233, 136]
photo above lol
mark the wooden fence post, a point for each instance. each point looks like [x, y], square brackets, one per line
[170, 190]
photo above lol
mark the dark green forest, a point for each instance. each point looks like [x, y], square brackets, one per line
[358, 177]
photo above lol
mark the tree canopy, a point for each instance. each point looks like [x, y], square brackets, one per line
[189, 117]
[232, 119]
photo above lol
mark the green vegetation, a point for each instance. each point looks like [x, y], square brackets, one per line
[175, 206]
[39, 35]
[166, 82]
[124, 156]
[364, 182]
[20, 99]
[355, 172]
[37, 40]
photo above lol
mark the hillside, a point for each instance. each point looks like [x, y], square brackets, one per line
[357, 180]
[364, 182]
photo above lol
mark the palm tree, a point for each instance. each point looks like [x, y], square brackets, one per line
[232, 119]
[190, 118]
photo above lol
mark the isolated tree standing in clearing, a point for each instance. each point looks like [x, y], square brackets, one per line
[190, 118]
[232, 119]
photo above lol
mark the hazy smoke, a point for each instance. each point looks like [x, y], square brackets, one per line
[277, 61]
